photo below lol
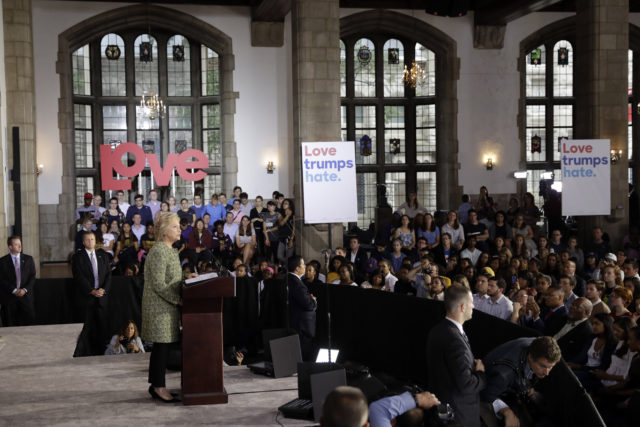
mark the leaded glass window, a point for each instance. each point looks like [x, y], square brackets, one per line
[364, 72]
[393, 67]
[83, 132]
[210, 71]
[211, 141]
[145, 52]
[80, 60]
[112, 61]
[178, 66]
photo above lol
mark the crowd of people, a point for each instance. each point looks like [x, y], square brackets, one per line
[586, 295]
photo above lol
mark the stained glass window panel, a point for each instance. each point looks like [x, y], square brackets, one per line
[562, 126]
[81, 71]
[426, 133]
[178, 66]
[83, 136]
[426, 59]
[535, 73]
[393, 66]
[146, 72]
[364, 73]
[180, 128]
[427, 190]
[210, 69]
[114, 78]
[396, 188]
[365, 125]
[211, 142]
[367, 197]
[563, 74]
[148, 133]
[394, 134]
[536, 127]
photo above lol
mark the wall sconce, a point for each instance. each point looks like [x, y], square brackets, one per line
[270, 167]
[489, 161]
[39, 169]
[615, 156]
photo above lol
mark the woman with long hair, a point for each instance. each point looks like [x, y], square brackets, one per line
[405, 234]
[113, 213]
[200, 244]
[286, 231]
[126, 340]
[127, 247]
[411, 206]
[520, 227]
[346, 276]
[597, 352]
[246, 239]
[620, 299]
[621, 358]
[455, 230]
[429, 230]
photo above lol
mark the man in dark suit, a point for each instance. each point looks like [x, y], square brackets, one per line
[575, 333]
[554, 315]
[454, 376]
[92, 276]
[302, 306]
[17, 278]
[358, 257]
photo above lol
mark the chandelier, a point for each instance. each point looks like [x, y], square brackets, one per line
[414, 76]
[152, 106]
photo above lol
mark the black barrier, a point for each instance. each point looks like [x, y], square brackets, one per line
[388, 332]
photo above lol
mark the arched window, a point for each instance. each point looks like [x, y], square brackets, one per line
[107, 110]
[549, 104]
[113, 62]
[395, 127]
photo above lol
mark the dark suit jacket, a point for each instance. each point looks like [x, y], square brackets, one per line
[8, 279]
[554, 322]
[438, 255]
[506, 369]
[83, 276]
[452, 374]
[572, 343]
[302, 308]
[360, 264]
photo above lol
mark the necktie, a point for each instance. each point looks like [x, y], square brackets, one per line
[466, 339]
[16, 264]
[94, 264]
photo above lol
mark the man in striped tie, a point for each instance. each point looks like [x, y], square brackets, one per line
[17, 279]
[92, 276]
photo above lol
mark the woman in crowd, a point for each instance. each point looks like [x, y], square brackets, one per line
[160, 301]
[612, 279]
[436, 289]
[430, 231]
[311, 275]
[164, 207]
[620, 299]
[485, 207]
[200, 244]
[442, 253]
[334, 267]
[173, 207]
[376, 281]
[396, 255]
[575, 252]
[114, 229]
[113, 213]
[500, 228]
[346, 276]
[621, 358]
[597, 352]
[405, 234]
[455, 230]
[553, 267]
[498, 244]
[246, 239]
[106, 239]
[126, 340]
[520, 227]
[222, 244]
[271, 240]
[514, 209]
[127, 247]
[518, 247]
[286, 231]
[257, 221]
[411, 207]
[591, 269]
[530, 210]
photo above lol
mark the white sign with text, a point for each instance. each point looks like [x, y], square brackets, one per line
[586, 177]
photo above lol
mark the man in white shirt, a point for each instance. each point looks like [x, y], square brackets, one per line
[630, 268]
[471, 251]
[567, 285]
[595, 288]
[245, 204]
[480, 298]
[230, 227]
[497, 305]
[124, 206]
[137, 228]
[153, 203]
[389, 279]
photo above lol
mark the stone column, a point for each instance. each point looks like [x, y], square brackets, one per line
[602, 44]
[316, 101]
[18, 62]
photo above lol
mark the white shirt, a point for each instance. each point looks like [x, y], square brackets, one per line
[124, 207]
[458, 325]
[390, 282]
[473, 256]
[502, 308]
[231, 230]
[138, 232]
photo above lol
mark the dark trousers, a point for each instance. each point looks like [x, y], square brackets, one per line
[18, 313]
[158, 363]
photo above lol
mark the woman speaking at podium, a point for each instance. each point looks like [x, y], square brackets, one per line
[160, 301]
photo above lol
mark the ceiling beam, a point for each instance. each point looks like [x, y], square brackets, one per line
[270, 10]
[503, 12]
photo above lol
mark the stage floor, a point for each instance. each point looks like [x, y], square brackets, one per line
[42, 384]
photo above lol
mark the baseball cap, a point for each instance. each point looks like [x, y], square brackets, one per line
[611, 257]
[88, 196]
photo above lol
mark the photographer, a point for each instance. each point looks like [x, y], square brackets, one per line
[421, 276]
[127, 341]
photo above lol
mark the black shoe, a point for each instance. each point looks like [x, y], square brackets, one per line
[156, 396]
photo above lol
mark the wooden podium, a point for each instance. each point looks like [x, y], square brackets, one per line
[202, 381]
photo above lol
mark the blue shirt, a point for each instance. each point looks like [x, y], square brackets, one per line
[145, 213]
[382, 411]
[216, 212]
[199, 210]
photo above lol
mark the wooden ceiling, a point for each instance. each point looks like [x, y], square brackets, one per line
[487, 12]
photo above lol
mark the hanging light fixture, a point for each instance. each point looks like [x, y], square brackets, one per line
[414, 76]
[152, 106]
